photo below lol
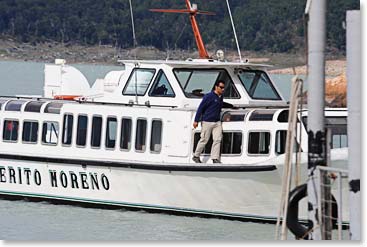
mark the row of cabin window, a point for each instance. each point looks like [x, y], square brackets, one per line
[111, 133]
[50, 132]
[258, 143]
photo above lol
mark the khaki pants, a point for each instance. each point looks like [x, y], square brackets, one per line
[208, 128]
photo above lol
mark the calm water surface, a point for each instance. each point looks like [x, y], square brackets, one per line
[22, 220]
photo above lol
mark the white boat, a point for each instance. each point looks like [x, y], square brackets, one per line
[128, 141]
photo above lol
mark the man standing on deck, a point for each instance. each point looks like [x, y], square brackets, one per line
[209, 114]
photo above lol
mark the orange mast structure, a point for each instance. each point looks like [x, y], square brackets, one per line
[193, 11]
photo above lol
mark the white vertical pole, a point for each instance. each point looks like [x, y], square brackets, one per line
[234, 31]
[316, 96]
[354, 119]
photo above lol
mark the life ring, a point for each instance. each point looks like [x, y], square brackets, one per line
[300, 230]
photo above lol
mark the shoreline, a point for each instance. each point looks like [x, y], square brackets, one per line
[282, 63]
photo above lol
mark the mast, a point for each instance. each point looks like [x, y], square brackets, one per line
[192, 10]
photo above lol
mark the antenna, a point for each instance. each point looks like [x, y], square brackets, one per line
[193, 11]
[132, 23]
[234, 31]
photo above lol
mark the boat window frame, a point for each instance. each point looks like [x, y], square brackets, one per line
[15, 102]
[3, 125]
[161, 136]
[248, 139]
[145, 139]
[222, 154]
[38, 105]
[106, 132]
[63, 128]
[77, 130]
[91, 131]
[148, 86]
[206, 69]
[30, 121]
[56, 109]
[58, 133]
[267, 77]
[3, 103]
[131, 133]
[156, 79]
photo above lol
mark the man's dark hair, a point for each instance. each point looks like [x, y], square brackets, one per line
[218, 82]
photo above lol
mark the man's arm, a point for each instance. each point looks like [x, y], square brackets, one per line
[203, 105]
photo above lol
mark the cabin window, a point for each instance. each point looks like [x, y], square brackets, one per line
[156, 136]
[111, 132]
[125, 142]
[81, 135]
[138, 82]
[258, 85]
[338, 128]
[95, 140]
[259, 143]
[281, 140]
[14, 105]
[30, 131]
[10, 132]
[234, 116]
[68, 129]
[231, 143]
[161, 86]
[50, 133]
[33, 106]
[141, 132]
[262, 115]
[53, 107]
[283, 116]
[197, 82]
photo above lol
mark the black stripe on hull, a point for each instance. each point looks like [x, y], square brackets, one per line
[159, 167]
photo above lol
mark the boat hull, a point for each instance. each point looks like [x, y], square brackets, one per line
[248, 194]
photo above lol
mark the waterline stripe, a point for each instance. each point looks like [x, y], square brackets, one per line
[143, 206]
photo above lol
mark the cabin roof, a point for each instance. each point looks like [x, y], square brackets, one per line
[196, 62]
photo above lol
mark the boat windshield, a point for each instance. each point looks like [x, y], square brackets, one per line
[198, 82]
[258, 85]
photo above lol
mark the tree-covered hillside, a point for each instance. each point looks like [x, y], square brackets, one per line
[267, 25]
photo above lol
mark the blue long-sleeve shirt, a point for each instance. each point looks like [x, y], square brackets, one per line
[209, 108]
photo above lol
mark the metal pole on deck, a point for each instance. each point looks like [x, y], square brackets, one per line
[316, 125]
[354, 119]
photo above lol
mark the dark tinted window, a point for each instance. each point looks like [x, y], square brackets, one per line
[10, 130]
[111, 132]
[30, 131]
[33, 106]
[68, 129]
[262, 115]
[141, 132]
[81, 136]
[156, 136]
[14, 105]
[95, 140]
[126, 125]
[259, 143]
[161, 86]
[231, 143]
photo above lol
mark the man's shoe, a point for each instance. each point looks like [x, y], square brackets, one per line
[216, 161]
[196, 159]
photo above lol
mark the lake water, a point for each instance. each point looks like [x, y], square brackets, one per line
[22, 220]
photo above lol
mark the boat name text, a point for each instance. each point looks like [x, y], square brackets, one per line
[70, 179]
